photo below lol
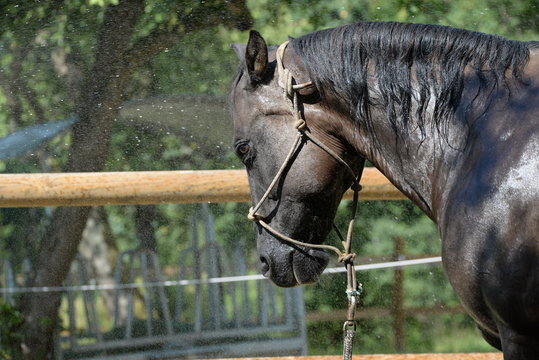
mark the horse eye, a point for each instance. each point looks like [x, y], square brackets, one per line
[244, 153]
[243, 149]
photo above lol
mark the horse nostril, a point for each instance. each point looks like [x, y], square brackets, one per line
[265, 267]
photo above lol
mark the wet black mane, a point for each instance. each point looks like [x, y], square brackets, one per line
[432, 56]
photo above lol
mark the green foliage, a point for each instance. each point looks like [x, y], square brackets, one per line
[11, 326]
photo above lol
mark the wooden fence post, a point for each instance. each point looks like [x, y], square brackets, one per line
[397, 307]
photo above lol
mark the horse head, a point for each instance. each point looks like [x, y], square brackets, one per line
[305, 196]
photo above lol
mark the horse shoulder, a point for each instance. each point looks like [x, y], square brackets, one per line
[490, 233]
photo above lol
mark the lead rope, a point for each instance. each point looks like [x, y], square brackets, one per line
[353, 288]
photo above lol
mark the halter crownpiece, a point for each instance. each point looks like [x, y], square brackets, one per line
[285, 79]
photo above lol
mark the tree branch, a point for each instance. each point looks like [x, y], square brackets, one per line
[231, 13]
[151, 45]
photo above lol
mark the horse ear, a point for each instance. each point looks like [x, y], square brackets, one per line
[256, 57]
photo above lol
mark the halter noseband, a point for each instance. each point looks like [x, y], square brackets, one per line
[286, 81]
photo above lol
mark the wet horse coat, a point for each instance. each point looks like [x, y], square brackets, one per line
[451, 117]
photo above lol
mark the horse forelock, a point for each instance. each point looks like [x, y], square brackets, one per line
[412, 63]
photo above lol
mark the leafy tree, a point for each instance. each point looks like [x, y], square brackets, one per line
[94, 48]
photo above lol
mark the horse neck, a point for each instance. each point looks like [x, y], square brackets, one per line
[419, 164]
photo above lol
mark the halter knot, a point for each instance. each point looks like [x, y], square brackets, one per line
[344, 258]
[254, 216]
[356, 186]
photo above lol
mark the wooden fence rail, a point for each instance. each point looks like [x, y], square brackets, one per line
[465, 356]
[149, 187]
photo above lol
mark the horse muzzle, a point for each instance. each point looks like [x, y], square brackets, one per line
[293, 266]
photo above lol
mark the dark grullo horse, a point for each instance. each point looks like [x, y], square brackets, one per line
[451, 117]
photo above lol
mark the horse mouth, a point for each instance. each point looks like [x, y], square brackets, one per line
[300, 268]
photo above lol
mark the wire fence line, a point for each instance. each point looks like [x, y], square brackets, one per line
[215, 280]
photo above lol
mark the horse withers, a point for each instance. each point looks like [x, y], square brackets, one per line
[450, 117]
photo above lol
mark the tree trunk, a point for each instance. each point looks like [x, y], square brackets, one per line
[101, 98]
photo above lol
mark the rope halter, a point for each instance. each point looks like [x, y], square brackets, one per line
[286, 82]
[353, 288]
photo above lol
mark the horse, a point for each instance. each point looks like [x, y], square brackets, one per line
[449, 116]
